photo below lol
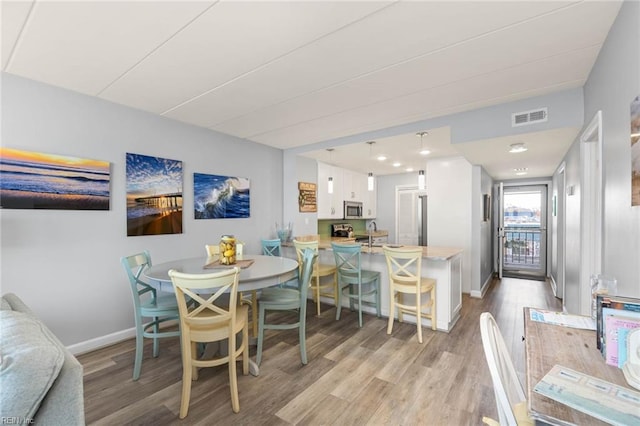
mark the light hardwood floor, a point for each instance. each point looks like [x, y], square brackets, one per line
[354, 376]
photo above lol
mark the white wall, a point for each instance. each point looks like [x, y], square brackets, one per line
[449, 187]
[613, 83]
[482, 234]
[65, 264]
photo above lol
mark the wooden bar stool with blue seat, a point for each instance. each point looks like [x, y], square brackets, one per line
[405, 270]
[148, 304]
[287, 299]
[352, 278]
[320, 270]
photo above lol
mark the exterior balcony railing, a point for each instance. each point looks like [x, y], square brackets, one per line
[522, 247]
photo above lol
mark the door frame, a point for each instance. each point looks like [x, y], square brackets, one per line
[590, 208]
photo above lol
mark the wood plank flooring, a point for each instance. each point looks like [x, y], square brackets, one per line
[354, 376]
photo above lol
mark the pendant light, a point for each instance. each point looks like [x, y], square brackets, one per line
[330, 180]
[421, 179]
[370, 179]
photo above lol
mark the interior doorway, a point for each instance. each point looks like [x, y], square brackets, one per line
[524, 232]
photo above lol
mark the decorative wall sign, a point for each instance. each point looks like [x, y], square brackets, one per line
[307, 197]
[33, 180]
[154, 195]
[221, 197]
[635, 152]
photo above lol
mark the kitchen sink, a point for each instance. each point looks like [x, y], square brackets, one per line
[380, 245]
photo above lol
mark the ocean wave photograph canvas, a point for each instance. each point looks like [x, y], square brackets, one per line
[34, 180]
[154, 195]
[221, 197]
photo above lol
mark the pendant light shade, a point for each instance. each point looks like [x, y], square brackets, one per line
[421, 182]
[370, 181]
[330, 180]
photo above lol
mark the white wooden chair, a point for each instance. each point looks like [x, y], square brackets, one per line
[319, 270]
[510, 398]
[405, 268]
[210, 320]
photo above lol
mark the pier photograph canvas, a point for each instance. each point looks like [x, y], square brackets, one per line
[154, 195]
[635, 151]
[221, 197]
[35, 180]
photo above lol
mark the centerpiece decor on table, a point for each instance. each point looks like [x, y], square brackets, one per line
[227, 250]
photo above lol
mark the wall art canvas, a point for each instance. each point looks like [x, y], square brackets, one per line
[635, 152]
[154, 195]
[34, 180]
[221, 197]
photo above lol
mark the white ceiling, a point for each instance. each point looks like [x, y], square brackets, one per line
[293, 73]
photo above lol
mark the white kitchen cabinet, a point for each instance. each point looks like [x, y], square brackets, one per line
[329, 205]
[370, 203]
[354, 186]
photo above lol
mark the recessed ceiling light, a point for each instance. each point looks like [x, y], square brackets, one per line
[520, 171]
[396, 164]
[425, 152]
[381, 157]
[517, 147]
[408, 169]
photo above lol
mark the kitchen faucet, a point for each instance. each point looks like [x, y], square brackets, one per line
[375, 228]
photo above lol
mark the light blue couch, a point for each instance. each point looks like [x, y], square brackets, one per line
[40, 380]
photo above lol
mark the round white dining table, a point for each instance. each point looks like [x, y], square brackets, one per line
[265, 271]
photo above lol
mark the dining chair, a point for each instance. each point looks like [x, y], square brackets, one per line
[212, 318]
[251, 299]
[320, 270]
[287, 299]
[510, 397]
[147, 303]
[271, 247]
[352, 278]
[405, 270]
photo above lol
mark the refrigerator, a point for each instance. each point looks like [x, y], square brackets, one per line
[422, 220]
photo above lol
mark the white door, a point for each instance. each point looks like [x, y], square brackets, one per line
[407, 215]
[500, 233]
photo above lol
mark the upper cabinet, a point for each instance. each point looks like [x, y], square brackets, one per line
[354, 186]
[329, 205]
[347, 186]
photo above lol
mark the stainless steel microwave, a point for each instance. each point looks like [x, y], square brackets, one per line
[352, 210]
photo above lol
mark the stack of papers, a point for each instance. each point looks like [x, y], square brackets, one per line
[601, 399]
[559, 318]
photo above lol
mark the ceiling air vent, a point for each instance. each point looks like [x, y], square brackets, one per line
[528, 117]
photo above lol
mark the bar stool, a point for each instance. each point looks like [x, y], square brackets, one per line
[319, 270]
[405, 268]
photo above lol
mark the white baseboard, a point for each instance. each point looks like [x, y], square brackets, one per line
[102, 341]
[483, 290]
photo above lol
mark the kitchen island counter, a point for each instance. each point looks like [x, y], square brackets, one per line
[442, 263]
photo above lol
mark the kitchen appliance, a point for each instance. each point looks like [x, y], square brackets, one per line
[344, 230]
[352, 210]
[422, 220]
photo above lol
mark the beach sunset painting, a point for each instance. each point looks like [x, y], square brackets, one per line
[154, 195]
[221, 197]
[34, 180]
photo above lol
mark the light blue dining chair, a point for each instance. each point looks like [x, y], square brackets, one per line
[287, 299]
[271, 247]
[148, 304]
[352, 278]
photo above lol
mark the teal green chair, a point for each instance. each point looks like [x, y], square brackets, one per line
[287, 299]
[352, 278]
[271, 247]
[148, 304]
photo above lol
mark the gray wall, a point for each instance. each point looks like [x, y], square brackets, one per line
[65, 264]
[613, 83]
